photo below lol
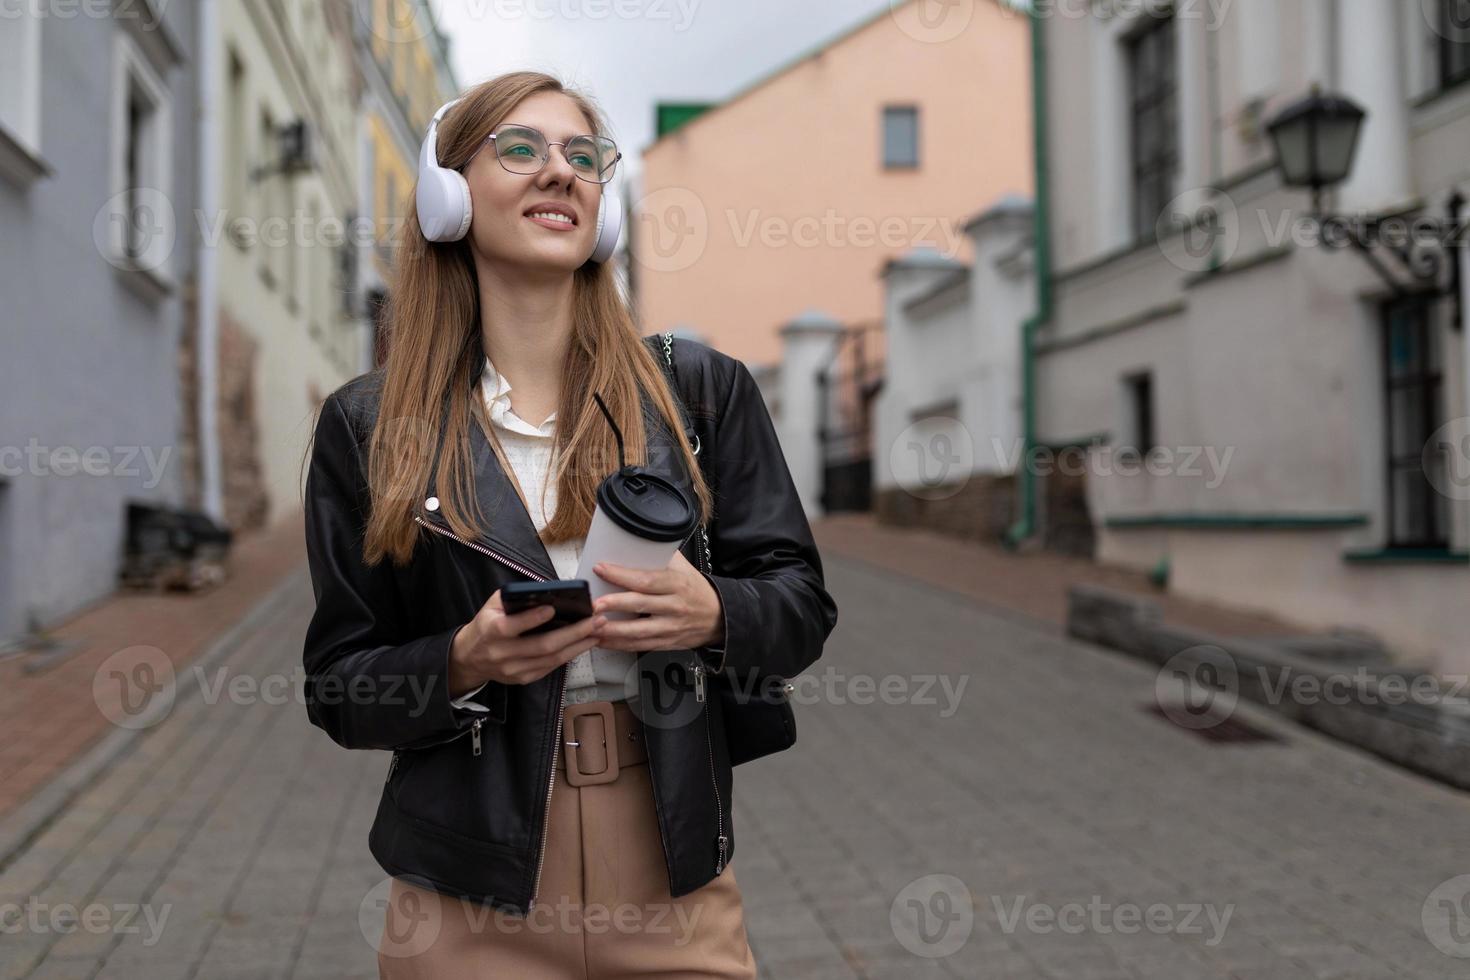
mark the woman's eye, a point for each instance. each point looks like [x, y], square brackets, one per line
[523, 150]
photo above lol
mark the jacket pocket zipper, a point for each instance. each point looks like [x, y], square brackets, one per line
[561, 697]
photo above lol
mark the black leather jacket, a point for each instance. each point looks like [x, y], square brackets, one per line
[463, 809]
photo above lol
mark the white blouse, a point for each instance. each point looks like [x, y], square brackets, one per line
[595, 674]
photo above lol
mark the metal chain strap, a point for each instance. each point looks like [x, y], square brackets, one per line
[705, 555]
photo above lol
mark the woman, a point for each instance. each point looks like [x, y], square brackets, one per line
[557, 805]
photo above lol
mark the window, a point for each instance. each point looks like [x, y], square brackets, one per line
[20, 85]
[1453, 32]
[1417, 513]
[140, 220]
[900, 136]
[1153, 115]
[1139, 393]
[266, 198]
[235, 136]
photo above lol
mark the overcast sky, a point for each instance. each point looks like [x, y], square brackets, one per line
[631, 54]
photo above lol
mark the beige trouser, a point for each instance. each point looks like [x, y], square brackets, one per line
[603, 909]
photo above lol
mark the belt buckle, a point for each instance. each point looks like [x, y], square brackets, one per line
[570, 746]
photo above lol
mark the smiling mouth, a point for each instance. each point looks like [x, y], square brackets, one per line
[552, 219]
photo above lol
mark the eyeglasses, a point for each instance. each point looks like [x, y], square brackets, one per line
[525, 150]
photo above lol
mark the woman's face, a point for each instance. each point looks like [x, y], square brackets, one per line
[502, 228]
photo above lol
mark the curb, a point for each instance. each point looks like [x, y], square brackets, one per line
[21, 827]
[1372, 709]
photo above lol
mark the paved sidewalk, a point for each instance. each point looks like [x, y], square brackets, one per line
[1031, 585]
[1023, 825]
[48, 718]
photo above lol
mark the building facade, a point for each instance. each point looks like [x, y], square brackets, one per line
[404, 61]
[279, 193]
[793, 193]
[97, 151]
[1266, 420]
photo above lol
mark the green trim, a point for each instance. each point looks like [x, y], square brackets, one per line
[1041, 218]
[669, 116]
[1159, 574]
[1271, 522]
[1386, 556]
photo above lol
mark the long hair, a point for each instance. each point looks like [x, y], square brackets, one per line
[432, 336]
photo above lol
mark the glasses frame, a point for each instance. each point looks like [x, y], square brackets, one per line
[545, 159]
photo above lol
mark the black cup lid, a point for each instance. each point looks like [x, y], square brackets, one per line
[647, 505]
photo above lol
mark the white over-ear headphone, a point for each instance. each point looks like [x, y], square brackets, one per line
[443, 199]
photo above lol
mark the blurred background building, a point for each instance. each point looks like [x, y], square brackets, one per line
[1190, 310]
[793, 192]
[97, 168]
[404, 61]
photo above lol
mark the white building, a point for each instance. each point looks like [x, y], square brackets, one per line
[947, 425]
[1294, 406]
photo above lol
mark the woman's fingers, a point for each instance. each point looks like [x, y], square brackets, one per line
[537, 667]
[542, 644]
[512, 625]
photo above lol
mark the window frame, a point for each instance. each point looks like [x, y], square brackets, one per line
[1163, 99]
[133, 72]
[891, 112]
[1428, 379]
[20, 133]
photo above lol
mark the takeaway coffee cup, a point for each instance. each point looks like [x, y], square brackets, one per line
[640, 521]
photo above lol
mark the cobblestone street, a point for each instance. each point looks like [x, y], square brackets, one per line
[954, 747]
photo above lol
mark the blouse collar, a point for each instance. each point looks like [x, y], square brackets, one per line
[496, 389]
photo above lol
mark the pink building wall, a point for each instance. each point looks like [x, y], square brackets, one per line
[778, 200]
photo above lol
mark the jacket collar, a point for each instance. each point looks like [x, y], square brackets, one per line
[510, 530]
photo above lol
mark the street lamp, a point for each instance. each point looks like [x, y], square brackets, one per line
[1316, 140]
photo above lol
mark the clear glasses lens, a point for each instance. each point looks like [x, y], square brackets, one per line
[592, 156]
[523, 150]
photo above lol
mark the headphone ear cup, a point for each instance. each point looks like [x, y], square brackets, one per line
[443, 201]
[609, 226]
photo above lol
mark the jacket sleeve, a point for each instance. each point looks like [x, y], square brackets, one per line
[778, 613]
[367, 685]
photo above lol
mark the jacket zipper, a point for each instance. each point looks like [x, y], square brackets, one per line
[721, 841]
[561, 699]
[703, 556]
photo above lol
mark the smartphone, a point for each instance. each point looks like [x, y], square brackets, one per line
[570, 597]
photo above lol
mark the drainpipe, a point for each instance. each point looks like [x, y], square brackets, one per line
[206, 311]
[1026, 525]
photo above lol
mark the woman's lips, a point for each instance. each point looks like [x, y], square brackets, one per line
[552, 224]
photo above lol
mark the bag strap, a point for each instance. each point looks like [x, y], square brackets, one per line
[671, 371]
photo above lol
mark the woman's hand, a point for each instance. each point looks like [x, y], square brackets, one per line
[681, 609]
[490, 647]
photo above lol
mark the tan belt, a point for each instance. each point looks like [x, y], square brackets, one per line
[599, 738]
